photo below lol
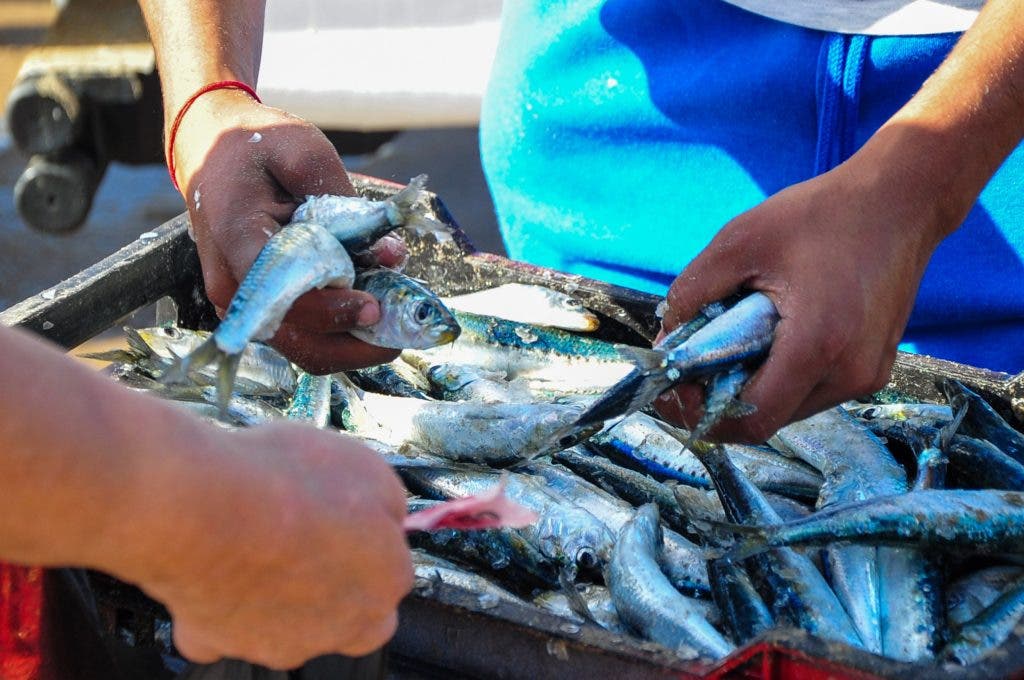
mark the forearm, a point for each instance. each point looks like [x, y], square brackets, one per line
[951, 137]
[198, 42]
[84, 463]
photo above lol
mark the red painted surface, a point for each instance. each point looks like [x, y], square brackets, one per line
[21, 615]
[765, 661]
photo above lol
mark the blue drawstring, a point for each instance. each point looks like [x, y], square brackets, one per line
[840, 72]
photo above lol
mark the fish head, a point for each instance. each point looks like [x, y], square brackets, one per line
[582, 319]
[425, 320]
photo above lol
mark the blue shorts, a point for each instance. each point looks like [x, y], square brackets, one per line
[618, 136]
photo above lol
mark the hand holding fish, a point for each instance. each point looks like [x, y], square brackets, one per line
[243, 168]
[841, 256]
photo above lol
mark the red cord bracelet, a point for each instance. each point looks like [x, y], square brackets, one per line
[219, 85]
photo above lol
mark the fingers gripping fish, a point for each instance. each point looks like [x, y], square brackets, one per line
[295, 260]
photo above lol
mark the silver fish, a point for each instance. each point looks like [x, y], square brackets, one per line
[659, 449]
[411, 315]
[431, 568]
[987, 521]
[647, 601]
[600, 607]
[740, 335]
[295, 260]
[358, 222]
[563, 532]
[260, 364]
[856, 466]
[311, 402]
[970, 595]
[544, 358]
[525, 303]
[452, 382]
[990, 628]
[682, 561]
[497, 434]
[790, 580]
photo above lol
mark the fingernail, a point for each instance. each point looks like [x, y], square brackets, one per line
[368, 315]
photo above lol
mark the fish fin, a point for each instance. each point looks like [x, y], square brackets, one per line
[412, 194]
[179, 370]
[226, 370]
[947, 431]
[113, 355]
[137, 343]
[577, 604]
[733, 409]
[726, 540]
[644, 359]
[738, 409]
[414, 209]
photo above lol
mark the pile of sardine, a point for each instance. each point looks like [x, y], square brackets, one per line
[897, 528]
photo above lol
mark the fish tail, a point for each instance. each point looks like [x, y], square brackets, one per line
[137, 350]
[725, 540]
[227, 367]
[414, 208]
[409, 200]
[180, 369]
[947, 431]
[136, 342]
[113, 355]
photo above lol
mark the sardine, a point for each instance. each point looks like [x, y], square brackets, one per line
[311, 402]
[598, 600]
[295, 260]
[451, 382]
[659, 449]
[647, 601]
[987, 521]
[705, 505]
[856, 465]
[546, 359]
[529, 304]
[982, 421]
[981, 635]
[739, 336]
[394, 379]
[743, 610]
[720, 399]
[791, 581]
[260, 364]
[682, 561]
[564, 532]
[358, 222]
[496, 434]
[970, 595]
[505, 551]
[431, 568]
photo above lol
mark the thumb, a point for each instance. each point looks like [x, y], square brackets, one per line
[710, 277]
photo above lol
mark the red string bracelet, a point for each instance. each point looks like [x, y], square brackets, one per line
[219, 85]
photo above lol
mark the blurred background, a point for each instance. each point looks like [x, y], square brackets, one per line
[396, 84]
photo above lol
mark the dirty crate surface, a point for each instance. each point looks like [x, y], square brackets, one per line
[445, 629]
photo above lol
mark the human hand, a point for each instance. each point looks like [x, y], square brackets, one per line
[288, 544]
[242, 165]
[841, 256]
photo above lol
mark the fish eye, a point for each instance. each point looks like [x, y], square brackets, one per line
[586, 558]
[422, 312]
[170, 331]
[574, 303]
